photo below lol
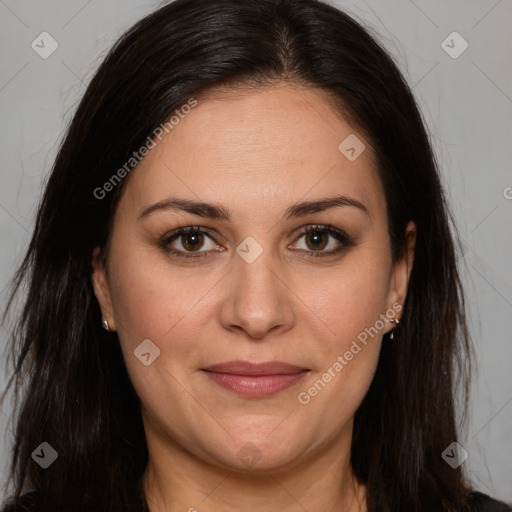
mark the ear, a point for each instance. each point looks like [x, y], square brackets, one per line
[101, 288]
[401, 272]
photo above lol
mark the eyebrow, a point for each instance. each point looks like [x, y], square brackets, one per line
[218, 212]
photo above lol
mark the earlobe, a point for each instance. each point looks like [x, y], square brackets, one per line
[101, 289]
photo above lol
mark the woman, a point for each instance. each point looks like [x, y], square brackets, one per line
[235, 301]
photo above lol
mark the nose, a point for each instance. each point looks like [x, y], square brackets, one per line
[257, 299]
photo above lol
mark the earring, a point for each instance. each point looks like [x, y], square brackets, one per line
[396, 321]
[104, 323]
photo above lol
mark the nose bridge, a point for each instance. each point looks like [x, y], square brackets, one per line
[258, 301]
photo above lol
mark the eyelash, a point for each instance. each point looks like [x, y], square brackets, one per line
[336, 233]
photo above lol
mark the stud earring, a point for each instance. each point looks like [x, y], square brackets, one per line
[105, 325]
[396, 322]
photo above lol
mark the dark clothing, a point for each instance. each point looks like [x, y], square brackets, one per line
[31, 502]
[483, 503]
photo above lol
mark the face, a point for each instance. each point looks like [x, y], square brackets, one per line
[248, 283]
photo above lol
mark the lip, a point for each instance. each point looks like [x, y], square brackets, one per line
[255, 379]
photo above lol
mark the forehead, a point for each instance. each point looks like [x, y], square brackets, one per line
[251, 146]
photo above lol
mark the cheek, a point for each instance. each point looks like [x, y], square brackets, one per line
[152, 300]
[350, 302]
[347, 355]
[350, 308]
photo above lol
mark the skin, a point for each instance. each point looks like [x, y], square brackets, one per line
[255, 153]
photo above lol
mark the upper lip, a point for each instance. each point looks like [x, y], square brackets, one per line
[248, 368]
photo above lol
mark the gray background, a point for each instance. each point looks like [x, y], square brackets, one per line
[467, 104]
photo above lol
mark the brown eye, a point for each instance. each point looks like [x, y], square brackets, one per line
[321, 240]
[189, 242]
[316, 240]
[192, 241]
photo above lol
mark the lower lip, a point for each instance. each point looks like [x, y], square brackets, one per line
[255, 385]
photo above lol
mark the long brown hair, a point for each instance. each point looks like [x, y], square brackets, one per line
[75, 391]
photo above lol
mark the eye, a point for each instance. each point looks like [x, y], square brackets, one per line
[318, 238]
[188, 240]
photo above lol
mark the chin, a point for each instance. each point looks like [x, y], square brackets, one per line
[261, 454]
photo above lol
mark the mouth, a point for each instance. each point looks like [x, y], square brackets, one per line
[255, 380]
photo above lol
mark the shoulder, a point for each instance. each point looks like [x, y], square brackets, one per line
[483, 503]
